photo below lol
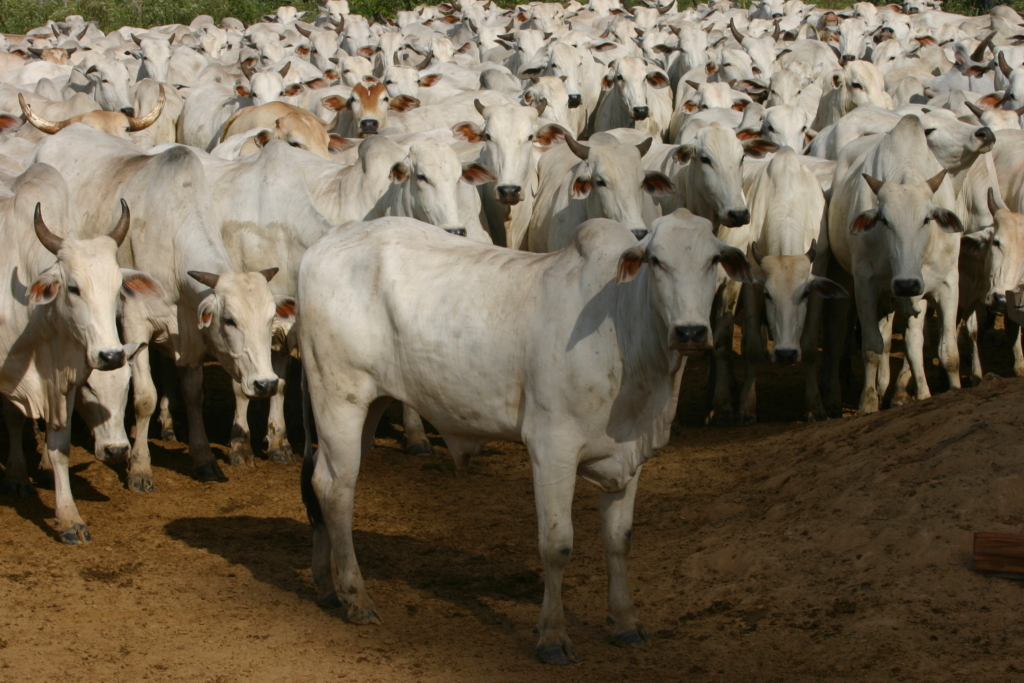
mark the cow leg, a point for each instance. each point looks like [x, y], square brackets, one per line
[753, 350]
[884, 371]
[416, 441]
[140, 471]
[334, 483]
[70, 527]
[836, 315]
[278, 447]
[1013, 331]
[240, 453]
[971, 328]
[167, 379]
[205, 465]
[553, 486]
[809, 355]
[722, 357]
[16, 481]
[873, 346]
[617, 530]
[949, 351]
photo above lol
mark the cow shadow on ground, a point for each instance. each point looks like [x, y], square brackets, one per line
[277, 551]
[31, 507]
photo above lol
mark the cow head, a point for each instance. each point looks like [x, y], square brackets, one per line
[109, 86]
[369, 107]
[631, 76]
[996, 254]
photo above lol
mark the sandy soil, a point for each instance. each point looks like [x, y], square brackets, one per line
[781, 552]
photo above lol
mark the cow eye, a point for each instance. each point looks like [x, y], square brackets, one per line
[768, 296]
[295, 144]
[769, 129]
[601, 183]
[858, 86]
[929, 131]
[655, 262]
[530, 138]
[705, 160]
[230, 321]
[74, 290]
[487, 137]
[619, 77]
[421, 178]
[996, 243]
[806, 293]
[389, 82]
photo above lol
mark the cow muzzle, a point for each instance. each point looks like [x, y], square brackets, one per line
[639, 233]
[786, 356]
[734, 219]
[690, 339]
[510, 194]
[907, 287]
[997, 302]
[575, 101]
[986, 137]
[640, 113]
[368, 127]
[461, 232]
[128, 111]
[109, 359]
[112, 454]
[264, 388]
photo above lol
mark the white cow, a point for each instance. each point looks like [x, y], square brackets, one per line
[579, 354]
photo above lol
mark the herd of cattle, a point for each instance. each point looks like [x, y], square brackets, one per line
[417, 191]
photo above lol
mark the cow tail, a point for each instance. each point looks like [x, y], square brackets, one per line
[313, 510]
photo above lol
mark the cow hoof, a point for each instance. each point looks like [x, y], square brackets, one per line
[900, 399]
[241, 455]
[635, 638]
[78, 534]
[18, 489]
[835, 413]
[210, 473]
[282, 455]
[330, 602]
[362, 616]
[421, 448]
[749, 420]
[816, 416]
[722, 419]
[561, 654]
[168, 435]
[140, 483]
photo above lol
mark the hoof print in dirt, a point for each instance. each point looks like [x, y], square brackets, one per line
[282, 455]
[77, 534]
[636, 638]
[210, 473]
[557, 654]
[18, 489]
[140, 483]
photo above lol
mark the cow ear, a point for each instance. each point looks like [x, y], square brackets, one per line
[837, 80]
[657, 80]
[657, 184]
[293, 89]
[284, 309]
[477, 174]
[550, 134]
[684, 153]
[399, 172]
[262, 138]
[242, 91]
[404, 103]
[748, 134]
[139, 285]
[334, 102]
[990, 101]
[735, 263]
[467, 131]
[316, 84]
[606, 83]
[758, 147]
[751, 87]
[690, 105]
[864, 222]
[740, 105]
[336, 143]
[206, 310]
[631, 260]
[8, 122]
[827, 289]
[975, 243]
[429, 80]
[580, 187]
[44, 289]
[947, 220]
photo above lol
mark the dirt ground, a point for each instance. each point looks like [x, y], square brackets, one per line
[786, 551]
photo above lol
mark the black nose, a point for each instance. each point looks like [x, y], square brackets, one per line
[735, 219]
[906, 287]
[368, 125]
[265, 387]
[640, 113]
[115, 454]
[639, 233]
[575, 101]
[461, 232]
[111, 359]
[999, 301]
[510, 194]
[129, 112]
[986, 135]
[691, 334]
[785, 356]
[849, 58]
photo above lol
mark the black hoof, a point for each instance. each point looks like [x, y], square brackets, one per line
[835, 413]
[168, 435]
[636, 638]
[18, 489]
[140, 483]
[554, 653]
[78, 534]
[330, 602]
[362, 616]
[210, 473]
[749, 420]
[420, 448]
[241, 455]
[282, 455]
[721, 419]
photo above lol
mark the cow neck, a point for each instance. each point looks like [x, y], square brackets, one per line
[641, 333]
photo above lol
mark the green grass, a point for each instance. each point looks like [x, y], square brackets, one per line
[19, 16]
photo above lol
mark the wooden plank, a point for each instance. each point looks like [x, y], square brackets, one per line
[998, 552]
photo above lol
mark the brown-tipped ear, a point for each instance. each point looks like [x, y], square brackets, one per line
[935, 181]
[8, 122]
[269, 273]
[467, 131]
[947, 220]
[657, 184]
[550, 134]
[208, 279]
[631, 260]
[812, 252]
[477, 174]
[334, 102]
[284, 309]
[404, 103]
[990, 101]
[336, 143]
[736, 265]
[864, 222]
[399, 172]
[874, 183]
[755, 252]
[758, 147]
[748, 134]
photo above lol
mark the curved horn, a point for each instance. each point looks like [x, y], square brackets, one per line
[777, 32]
[645, 146]
[542, 107]
[285, 69]
[144, 122]
[120, 230]
[208, 279]
[426, 62]
[979, 52]
[735, 34]
[339, 26]
[813, 251]
[48, 239]
[138, 41]
[993, 203]
[48, 127]
[479, 107]
[398, 62]
[1003, 66]
[755, 253]
[975, 109]
[579, 149]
